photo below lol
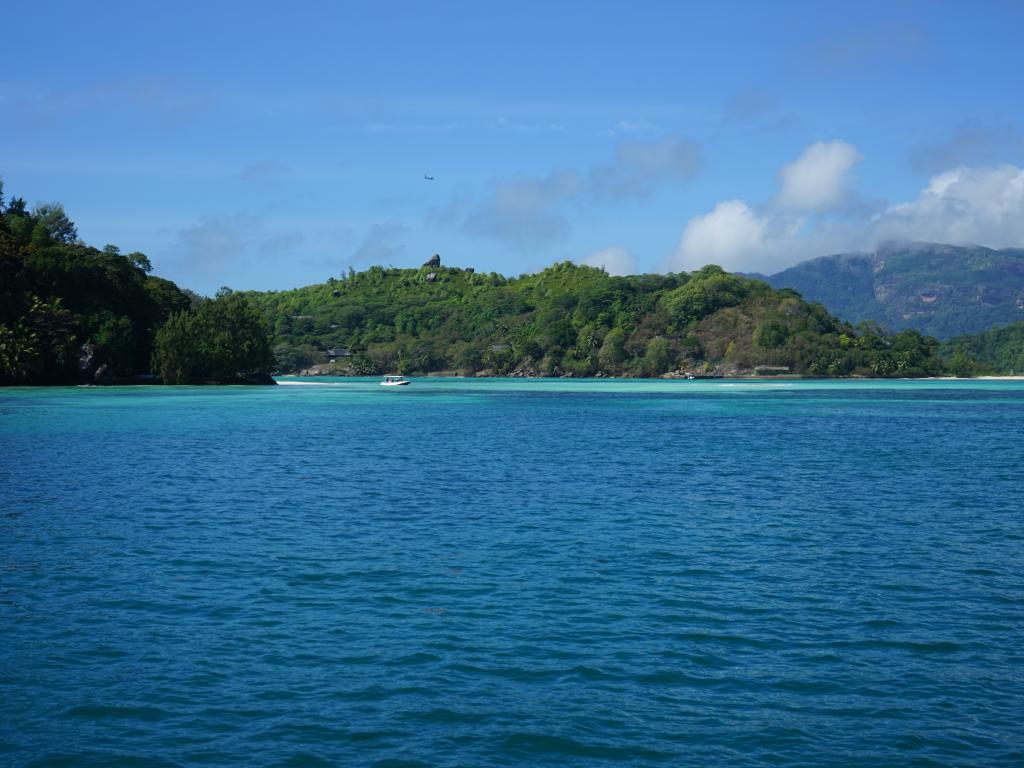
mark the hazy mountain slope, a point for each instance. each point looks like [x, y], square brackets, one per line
[941, 290]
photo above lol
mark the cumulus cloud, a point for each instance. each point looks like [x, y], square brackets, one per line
[972, 143]
[749, 105]
[873, 47]
[208, 249]
[221, 250]
[382, 244]
[801, 222]
[615, 261]
[528, 213]
[758, 109]
[982, 205]
[817, 180]
[639, 167]
[732, 235]
[522, 213]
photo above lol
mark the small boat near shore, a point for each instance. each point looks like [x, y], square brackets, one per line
[394, 381]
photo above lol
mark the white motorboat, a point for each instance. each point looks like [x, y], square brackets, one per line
[394, 381]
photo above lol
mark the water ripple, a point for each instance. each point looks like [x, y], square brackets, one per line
[513, 573]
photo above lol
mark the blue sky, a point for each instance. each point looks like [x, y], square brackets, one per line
[264, 146]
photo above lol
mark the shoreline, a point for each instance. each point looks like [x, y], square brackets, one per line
[782, 377]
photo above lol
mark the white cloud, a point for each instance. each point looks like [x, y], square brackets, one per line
[967, 205]
[204, 256]
[522, 213]
[614, 261]
[973, 143]
[806, 219]
[208, 250]
[639, 167]
[528, 213]
[816, 181]
[732, 235]
[981, 205]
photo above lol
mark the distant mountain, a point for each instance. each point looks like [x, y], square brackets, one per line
[941, 290]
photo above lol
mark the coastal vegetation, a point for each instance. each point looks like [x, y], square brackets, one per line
[999, 350]
[571, 320]
[222, 341]
[71, 313]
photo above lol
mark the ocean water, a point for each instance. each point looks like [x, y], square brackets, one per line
[513, 573]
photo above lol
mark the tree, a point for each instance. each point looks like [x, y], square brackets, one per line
[771, 334]
[141, 261]
[116, 337]
[613, 351]
[960, 364]
[176, 358]
[658, 356]
[224, 340]
[56, 224]
[17, 207]
[38, 347]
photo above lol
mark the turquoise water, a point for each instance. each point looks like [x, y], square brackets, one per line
[513, 573]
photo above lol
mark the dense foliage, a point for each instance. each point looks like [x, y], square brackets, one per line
[65, 306]
[941, 290]
[576, 321]
[70, 313]
[223, 340]
[1000, 350]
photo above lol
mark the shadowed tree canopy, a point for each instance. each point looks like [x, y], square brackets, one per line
[70, 313]
[222, 341]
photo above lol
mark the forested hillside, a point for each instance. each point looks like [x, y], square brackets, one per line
[941, 290]
[574, 321]
[70, 313]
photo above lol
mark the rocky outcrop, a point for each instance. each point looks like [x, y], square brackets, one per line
[88, 363]
[259, 378]
[525, 370]
[104, 375]
[433, 261]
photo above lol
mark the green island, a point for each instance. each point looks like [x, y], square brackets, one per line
[71, 313]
